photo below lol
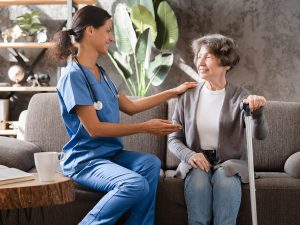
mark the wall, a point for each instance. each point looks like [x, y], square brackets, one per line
[267, 32]
[268, 35]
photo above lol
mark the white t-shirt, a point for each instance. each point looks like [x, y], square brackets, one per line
[208, 115]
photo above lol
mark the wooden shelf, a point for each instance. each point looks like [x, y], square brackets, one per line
[29, 89]
[26, 45]
[43, 2]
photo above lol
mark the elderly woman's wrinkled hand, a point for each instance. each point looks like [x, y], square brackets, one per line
[255, 102]
[198, 160]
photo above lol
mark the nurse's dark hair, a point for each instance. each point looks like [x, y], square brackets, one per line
[223, 47]
[84, 17]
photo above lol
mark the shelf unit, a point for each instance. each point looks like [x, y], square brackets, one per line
[69, 3]
[33, 45]
[26, 45]
[22, 45]
[8, 132]
[29, 89]
[43, 2]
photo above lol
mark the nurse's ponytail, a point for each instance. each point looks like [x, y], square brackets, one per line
[62, 46]
[62, 40]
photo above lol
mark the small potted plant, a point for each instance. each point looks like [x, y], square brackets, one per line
[30, 24]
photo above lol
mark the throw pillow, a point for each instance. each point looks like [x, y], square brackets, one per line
[17, 153]
[292, 165]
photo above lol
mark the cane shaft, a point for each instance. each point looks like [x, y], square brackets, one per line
[251, 169]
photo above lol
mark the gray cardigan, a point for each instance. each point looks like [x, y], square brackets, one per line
[231, 150]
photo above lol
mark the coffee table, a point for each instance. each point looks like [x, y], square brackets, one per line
[29, 194]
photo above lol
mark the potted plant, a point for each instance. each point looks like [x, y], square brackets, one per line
[30, 24]
[145, 35]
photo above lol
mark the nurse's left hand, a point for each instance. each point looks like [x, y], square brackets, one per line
[185, 86]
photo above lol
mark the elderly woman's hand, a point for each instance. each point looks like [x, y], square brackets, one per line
[199, 160]
[255, 102]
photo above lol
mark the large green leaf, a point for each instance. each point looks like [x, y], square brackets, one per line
[159, 68]
[147, 3]
[162, 73]
[143, 48]
[156, 4]
[142, 19]
[121, 62]
[167, 27]
[124, 33]
[124, 69]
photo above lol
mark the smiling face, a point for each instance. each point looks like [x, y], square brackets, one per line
[102, 37]
[208, 65]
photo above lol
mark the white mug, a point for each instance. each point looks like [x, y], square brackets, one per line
[46, 164]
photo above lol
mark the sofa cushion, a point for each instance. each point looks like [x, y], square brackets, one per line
[44, 126]
[171, 160]
[283, 137]
[17, 153]
[292, 165]
[172, 199]
[147, 142]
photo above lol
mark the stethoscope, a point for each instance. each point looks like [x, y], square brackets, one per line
[98, 105]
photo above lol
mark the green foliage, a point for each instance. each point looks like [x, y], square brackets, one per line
[146, 32]
[30, 23]
[167, 26]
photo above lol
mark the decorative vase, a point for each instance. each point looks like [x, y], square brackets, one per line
[4, 110]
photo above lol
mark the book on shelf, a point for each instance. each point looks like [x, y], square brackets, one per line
[13, 175]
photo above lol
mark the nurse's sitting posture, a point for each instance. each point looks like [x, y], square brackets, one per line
[90, 105]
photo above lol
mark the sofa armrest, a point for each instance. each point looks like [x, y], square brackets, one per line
[292, 165]
[17, 153]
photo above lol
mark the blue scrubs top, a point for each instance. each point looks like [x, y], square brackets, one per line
[72, 91]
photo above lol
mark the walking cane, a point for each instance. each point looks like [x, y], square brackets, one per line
[246, 108]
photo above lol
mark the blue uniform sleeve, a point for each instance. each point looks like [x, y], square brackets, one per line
[74, 91]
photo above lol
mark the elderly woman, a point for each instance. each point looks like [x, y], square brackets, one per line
[211, 144]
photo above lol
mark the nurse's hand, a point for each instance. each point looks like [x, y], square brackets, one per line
[160, 127]
[184, 87]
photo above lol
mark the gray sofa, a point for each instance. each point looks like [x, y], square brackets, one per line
[277, 163]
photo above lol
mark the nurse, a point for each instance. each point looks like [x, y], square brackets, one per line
[90, 105]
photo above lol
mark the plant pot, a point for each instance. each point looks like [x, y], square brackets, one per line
[30, 38]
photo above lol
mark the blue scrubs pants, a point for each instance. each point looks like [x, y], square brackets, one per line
[130, 180]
